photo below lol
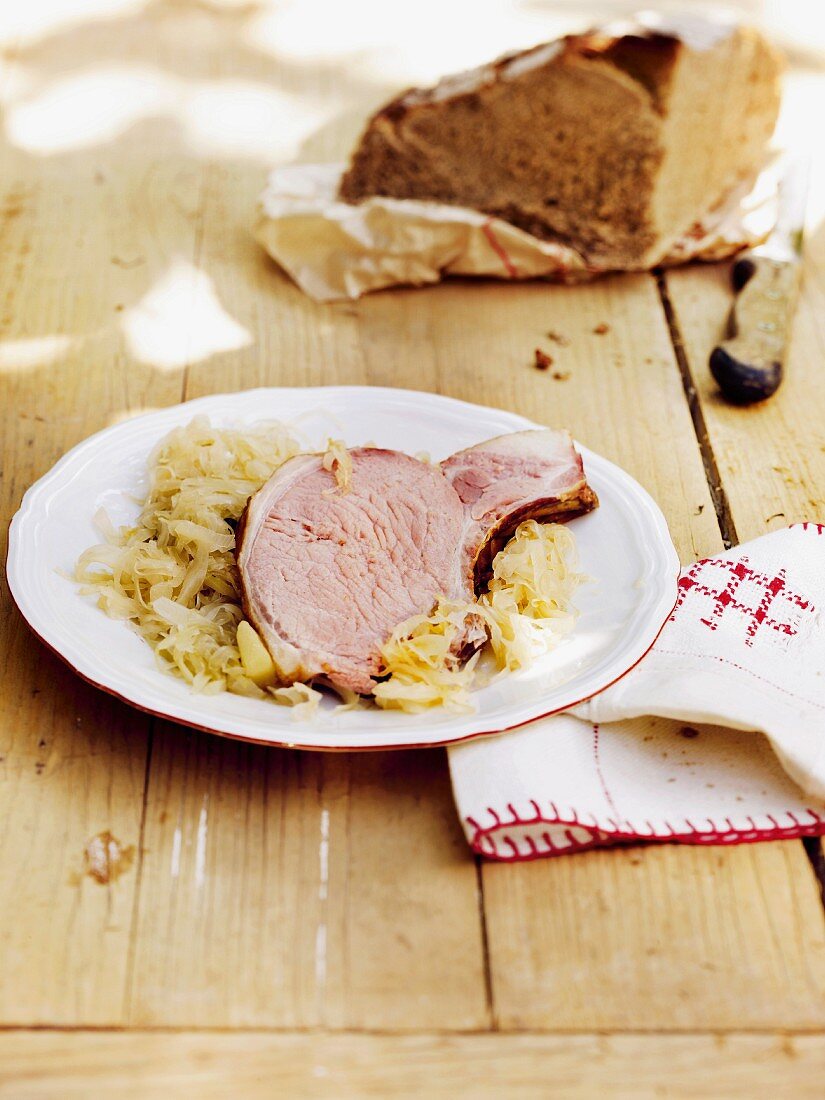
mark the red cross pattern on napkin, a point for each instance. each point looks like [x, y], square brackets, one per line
[728, 587]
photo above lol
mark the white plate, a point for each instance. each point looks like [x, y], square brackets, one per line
[624, 546]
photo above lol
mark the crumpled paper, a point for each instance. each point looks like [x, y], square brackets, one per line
[335, 250]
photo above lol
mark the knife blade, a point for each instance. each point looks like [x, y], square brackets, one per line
[749, 365]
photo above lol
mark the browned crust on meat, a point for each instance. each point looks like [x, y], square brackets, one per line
[549, 510]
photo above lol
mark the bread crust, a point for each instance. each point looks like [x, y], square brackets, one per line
[572, 139]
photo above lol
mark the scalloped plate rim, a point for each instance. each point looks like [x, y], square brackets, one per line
[287, 732]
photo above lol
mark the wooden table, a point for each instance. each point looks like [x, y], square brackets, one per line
[136, 142]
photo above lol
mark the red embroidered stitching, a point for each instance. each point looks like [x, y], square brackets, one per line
[772, 588]
[484, 843]
[607, 795]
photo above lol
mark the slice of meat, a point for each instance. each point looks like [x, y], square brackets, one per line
[327, 575]
[502, 482]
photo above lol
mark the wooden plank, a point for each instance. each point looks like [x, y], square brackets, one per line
[299, 889]
[620, 962]
[342, 930]
[134, 1065]
[770, 457]
[84, 234]
[660, 938]
[391, 935]
[73, 761]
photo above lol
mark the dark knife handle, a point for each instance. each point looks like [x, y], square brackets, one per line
[748, 365]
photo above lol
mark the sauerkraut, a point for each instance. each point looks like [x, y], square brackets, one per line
[422, 665]
[338, 461]
[528, 606]
[173, 576]
[527, 609]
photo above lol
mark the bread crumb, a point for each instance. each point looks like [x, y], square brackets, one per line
[558, 338]
[601, 329]
[543, 360]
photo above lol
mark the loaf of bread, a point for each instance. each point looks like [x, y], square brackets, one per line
[614, 142]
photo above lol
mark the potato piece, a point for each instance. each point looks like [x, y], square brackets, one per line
[255, 657]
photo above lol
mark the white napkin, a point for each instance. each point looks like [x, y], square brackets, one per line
[717, 736]
[336, 250]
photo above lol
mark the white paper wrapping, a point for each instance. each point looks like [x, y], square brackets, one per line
[335, 250]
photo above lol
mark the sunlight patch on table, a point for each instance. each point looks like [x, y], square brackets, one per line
[23, 22]
[222, 117]
[440, 38]
[16, 80]
[85, 109]
[181, 320]
[803, 101]
[37, 351]
[244, 119]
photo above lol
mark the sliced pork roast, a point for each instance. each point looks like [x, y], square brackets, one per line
[506, 480]
[327, 573]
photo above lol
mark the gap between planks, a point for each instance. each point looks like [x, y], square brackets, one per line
[485, 946]
[813, 850]
[724, 516]
[402, 1033]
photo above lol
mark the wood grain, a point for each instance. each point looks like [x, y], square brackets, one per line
[300, 889]
[771, 457]
[62, 1066]
[283, 890]
[85, 234]
[72, 762]
[393, 936]
[679, 939]
[550, 922]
